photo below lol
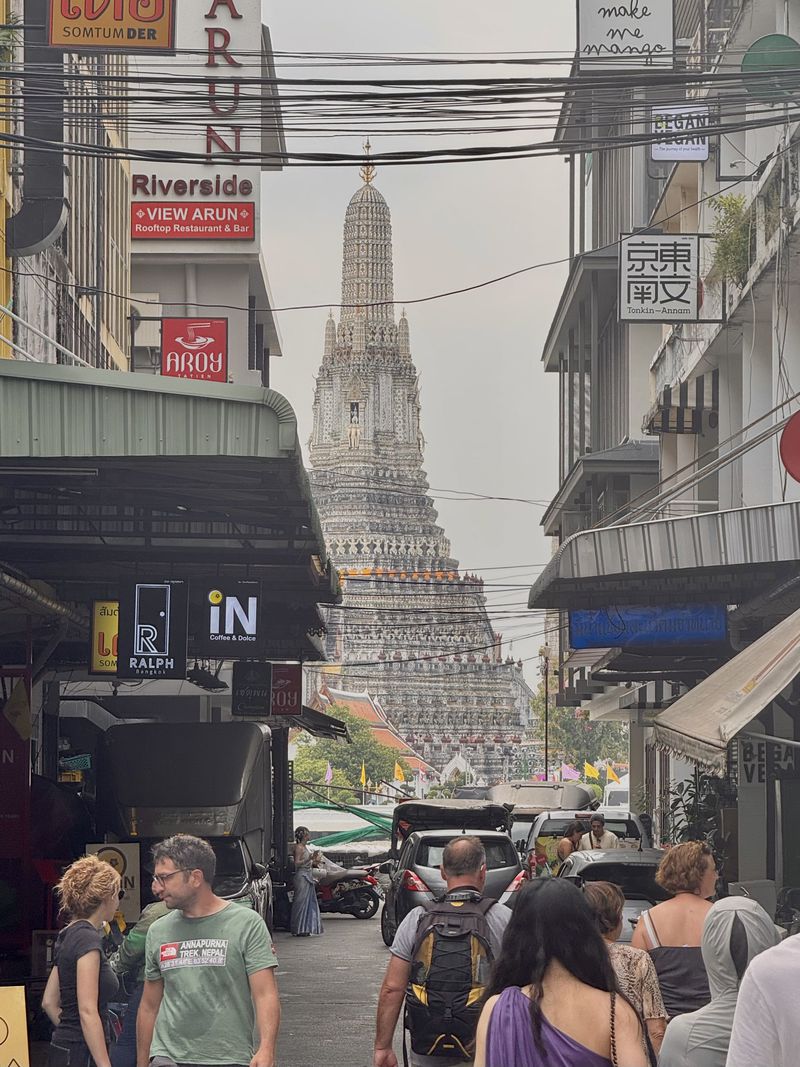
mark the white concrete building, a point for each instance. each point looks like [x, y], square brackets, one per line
[715, 530]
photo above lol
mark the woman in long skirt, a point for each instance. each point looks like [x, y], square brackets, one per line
[306, 919]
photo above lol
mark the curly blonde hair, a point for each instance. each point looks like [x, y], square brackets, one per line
[84, 886]
[683, 867]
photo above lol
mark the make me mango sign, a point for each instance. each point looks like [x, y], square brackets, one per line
[112, 25]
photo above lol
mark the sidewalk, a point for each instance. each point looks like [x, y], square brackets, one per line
[329, 992]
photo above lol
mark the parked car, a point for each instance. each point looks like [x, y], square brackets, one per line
[632, 870]
[415, 876]
[550, 826]
[411, 815]
[523, 819]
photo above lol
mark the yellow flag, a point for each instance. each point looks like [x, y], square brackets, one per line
[398, 773]
[363, 773]
[611, 774]
[590, 771]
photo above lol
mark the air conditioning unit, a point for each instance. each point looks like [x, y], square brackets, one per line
[146, 312]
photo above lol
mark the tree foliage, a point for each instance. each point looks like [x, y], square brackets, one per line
[447, 789]
[573, 738]
[313, 757]
[308, 767]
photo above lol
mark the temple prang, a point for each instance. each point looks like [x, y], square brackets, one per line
[412, 629]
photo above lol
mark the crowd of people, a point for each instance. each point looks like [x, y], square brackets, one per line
[547, 984]
[701, 984]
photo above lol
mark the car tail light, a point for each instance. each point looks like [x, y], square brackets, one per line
[413, 883]
[517, 883]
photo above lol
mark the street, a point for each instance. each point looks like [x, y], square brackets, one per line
[329, 989]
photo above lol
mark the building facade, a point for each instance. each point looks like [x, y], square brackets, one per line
[412, 629]
[701, 524]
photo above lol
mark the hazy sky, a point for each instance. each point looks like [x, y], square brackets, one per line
[489, 412]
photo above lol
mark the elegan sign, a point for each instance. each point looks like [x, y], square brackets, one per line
[633, 625]
[659, 277]
[104, 637]
[681, 133]
[635, 35]
[112, 25]
[153, 630]
[229, 623]
[195, 348]
[125, 861]
[251, 688]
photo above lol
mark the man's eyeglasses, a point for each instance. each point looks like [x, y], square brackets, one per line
[162, 879]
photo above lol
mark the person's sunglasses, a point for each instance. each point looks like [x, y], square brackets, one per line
[162, 879]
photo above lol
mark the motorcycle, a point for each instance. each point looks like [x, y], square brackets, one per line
[344, 892]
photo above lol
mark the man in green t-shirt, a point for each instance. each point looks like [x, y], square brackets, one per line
[209, 971]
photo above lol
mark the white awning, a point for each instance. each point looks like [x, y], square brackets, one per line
[611, 706]
[591, 659]
[700, 724]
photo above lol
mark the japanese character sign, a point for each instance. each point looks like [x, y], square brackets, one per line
[659, 277]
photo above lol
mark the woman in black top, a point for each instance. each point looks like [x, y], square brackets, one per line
[81, 982]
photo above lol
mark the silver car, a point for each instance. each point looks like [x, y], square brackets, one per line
[634, 872]
[415, 876]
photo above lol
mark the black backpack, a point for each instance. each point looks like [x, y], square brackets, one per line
[450, 969]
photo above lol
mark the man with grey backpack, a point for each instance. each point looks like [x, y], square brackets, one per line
[441, 958]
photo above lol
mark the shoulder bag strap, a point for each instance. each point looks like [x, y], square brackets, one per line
[650, 927]
[614, 1059]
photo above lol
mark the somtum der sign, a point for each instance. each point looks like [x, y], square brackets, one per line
[113, 25]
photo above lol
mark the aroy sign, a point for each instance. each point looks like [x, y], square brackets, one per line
[195, 348]
[112, 25]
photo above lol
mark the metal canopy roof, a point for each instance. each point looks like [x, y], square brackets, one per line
[604, 263]
[631, 458]
[725, 556]
[106, 475]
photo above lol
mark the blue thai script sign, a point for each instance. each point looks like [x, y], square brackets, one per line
[637, 626]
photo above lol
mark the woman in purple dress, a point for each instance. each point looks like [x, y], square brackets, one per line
[553, 999]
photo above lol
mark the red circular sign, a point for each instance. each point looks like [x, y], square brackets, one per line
[790, 446]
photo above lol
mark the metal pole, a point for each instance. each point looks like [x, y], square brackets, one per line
[546, 718]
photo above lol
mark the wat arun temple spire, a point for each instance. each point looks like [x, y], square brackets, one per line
[412, 629]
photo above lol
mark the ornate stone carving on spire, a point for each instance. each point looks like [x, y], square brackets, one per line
[403, 337]
[367, 281]
[330, 336]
